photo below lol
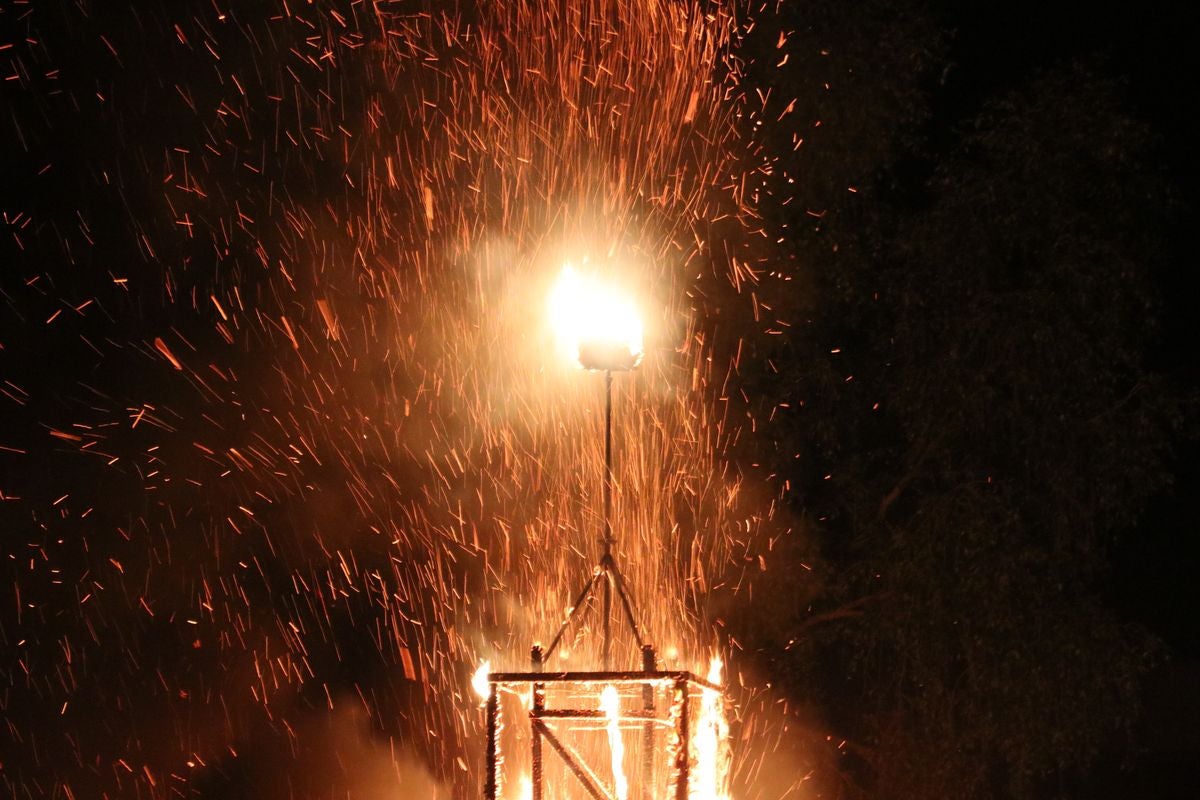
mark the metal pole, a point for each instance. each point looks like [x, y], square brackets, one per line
[570, 616]
[618, 581]
[607, 619]
[608, 537]
[608, 470]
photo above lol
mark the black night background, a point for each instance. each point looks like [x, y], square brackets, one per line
[285, 453]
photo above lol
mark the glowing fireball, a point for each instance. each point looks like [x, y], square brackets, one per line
[594, 324]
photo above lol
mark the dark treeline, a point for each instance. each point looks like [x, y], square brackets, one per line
[984, 390]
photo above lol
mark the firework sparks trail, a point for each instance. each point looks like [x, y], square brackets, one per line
[305, 450]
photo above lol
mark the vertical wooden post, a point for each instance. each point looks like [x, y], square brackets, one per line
[491, 790]
[683, 754]
[649, 664]
[539, 705]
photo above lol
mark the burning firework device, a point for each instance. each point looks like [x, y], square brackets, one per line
[674, 708]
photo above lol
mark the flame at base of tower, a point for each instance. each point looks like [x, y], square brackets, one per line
[610, 704]
[710, 777]
[612, 735]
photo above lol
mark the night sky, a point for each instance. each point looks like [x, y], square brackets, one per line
[1150, 48]
[284, 453]
[1147, 48]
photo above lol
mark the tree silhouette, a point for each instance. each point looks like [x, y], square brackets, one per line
[970, 423]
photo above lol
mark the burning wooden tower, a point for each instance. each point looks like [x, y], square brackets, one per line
[671, 721]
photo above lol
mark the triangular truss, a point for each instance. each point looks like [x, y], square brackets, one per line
[668, 698]
[606, 577]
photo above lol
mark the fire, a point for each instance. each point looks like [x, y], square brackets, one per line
[585, 313]
[610, 704]
[479, 681]
[715, 667]
[711, 744]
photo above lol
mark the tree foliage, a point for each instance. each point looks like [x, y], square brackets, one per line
[971, 422]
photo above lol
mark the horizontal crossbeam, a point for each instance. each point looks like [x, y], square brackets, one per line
[625, 677]
[593, 713]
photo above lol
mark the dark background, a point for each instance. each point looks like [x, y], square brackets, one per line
[1151, 48]
[980, 52]
[1154, 580]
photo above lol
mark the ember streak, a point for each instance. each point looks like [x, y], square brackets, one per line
[286, 450]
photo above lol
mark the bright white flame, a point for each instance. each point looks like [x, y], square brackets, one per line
[525, 792]
[479, 681]
[585, 311]
[610, 704]
[714, 670]
[711, 743]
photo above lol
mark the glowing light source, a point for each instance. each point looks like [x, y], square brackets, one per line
[594, 325]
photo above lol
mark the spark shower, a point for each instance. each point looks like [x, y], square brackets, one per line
[289, 446]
